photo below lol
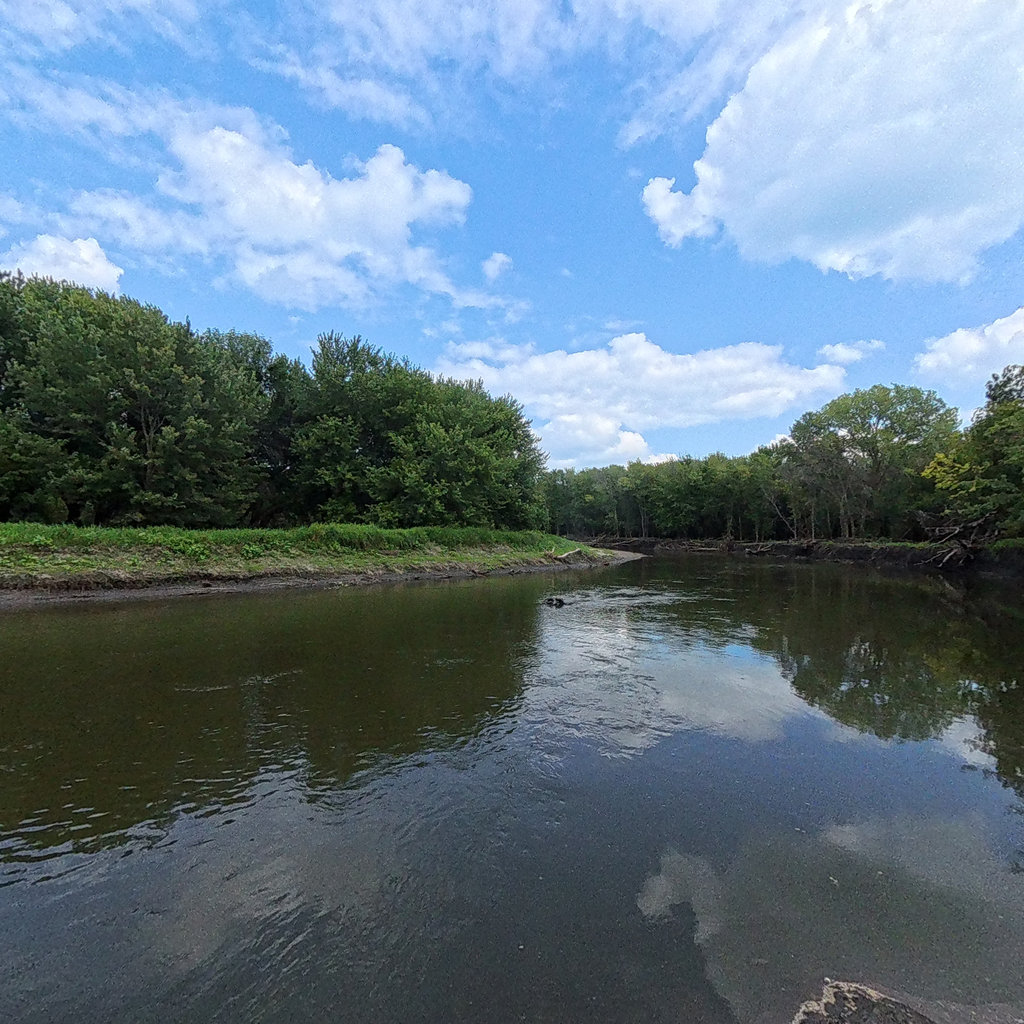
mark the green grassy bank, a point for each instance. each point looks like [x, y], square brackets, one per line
[40, 557]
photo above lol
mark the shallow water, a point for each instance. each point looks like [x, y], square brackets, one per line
[688, 795]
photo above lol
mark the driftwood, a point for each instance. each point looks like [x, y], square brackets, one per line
[569, 554]
[960, 542]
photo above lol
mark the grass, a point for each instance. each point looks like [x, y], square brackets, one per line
[1009, 544]
[34, 554]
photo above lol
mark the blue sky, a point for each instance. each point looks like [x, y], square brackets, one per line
[666, 227]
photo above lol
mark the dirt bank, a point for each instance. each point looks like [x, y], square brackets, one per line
[120, 585]
[1007, 563]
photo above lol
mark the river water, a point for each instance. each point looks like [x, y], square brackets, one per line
[687, 795]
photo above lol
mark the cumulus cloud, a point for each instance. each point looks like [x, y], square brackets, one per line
[225, 186]
[845, 353]
[591, 406]
[80, 260]
[283, 221]
[873, 138]
[972, 354]
[495, 265]
[716, 45]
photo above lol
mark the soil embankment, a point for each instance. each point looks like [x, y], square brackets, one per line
[41, 586]
[945, 558]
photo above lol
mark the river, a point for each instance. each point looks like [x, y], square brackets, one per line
[687, 795]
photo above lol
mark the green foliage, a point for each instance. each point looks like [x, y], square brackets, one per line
[386, 443]
[856, 465]
[850, 470]
[163, 544]
[981, 473]
[110, 414]
[118, 415]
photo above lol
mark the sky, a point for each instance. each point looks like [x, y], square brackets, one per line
[666, 227]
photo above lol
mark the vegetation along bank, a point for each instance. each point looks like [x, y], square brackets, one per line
[112, 415]
[39, 560]
[883, 464]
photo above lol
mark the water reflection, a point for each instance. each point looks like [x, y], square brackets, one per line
[115, 720]
[900, 659]
[689, 793]
[920, 906]
[627, 667]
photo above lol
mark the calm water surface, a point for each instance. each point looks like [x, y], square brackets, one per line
[688, 795]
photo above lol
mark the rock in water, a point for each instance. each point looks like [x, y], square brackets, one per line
[843, 1002]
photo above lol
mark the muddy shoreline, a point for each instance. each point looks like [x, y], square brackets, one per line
[948, 561]
[119, 586]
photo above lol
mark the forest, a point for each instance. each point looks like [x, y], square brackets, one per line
[113, 415]
[881, 463]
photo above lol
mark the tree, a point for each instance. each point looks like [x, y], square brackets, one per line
[463, 457]
[144, 422]
[385, 442]
[864, 453]
[981, 472]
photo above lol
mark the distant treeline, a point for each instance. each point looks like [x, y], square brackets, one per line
[883, 462]
[110, 414]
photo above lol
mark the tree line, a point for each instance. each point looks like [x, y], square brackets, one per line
[111, 414]
[885, 462]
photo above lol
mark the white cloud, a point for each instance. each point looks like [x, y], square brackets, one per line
[878, 137]
[296, 233]
[441, 55]
[80, 260]
[11, 212]
[225, 186]
[637, 690]
[39, 25]
[591, 406]
[874, 138]
[408, 36]
[845, 353]
[360, 96]
[423, 59]
[973, 354]
[495, 265]
[716, 45]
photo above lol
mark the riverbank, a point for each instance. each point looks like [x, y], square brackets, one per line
[1004, 559]
[48, 563]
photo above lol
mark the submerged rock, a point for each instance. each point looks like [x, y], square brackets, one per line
[844, 1002]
